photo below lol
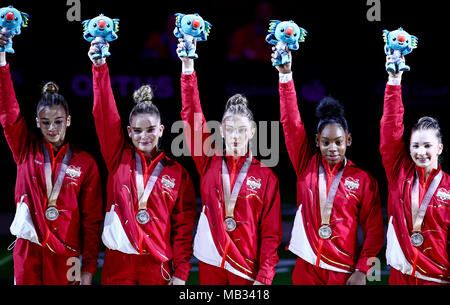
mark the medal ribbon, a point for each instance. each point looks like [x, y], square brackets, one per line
[230, 199]
[326, 200]
[53, 190]
[326, 197]
[418, 211]
[142, 193]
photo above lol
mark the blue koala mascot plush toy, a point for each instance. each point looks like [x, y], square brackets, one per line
[190, 27]
[101, 29]
[398, 43]
[284, 34]
[10, 24]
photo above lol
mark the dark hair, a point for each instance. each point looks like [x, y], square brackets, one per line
[50, 97]
[330, 111]
[143, 99]
[425, 123]
[238, 104]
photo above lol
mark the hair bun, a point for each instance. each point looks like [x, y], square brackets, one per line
[50, 87]
[236, 100]
[143, 95]
[329, 108]
[427, 119]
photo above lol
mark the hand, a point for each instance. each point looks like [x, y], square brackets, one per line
[3, 42]
[94, 50]
[176, 281]
[187, 63]
[390, 59]
[286, 68]
[258, 283]
[86, 278]
[3, 39]
[357, 278]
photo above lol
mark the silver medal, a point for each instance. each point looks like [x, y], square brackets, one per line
[417, 239]
[230, 224]
[142, 217]
[51, 213]
[325, 232]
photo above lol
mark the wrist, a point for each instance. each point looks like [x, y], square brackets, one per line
[99, 62]
[2, 59]
[187, 67]
[285, 77]
[394, 80]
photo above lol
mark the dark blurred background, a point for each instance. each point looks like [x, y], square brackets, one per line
[342, 56]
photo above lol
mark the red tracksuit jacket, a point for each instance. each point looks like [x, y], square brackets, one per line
[171, 206]
[252, 247]
[433, 256]
[77, 230]
[357, 201]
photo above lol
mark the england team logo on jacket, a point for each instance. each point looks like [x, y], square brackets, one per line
[443, 194]
[73, 172]
[167, 181]
[254, 183]
[351, 184]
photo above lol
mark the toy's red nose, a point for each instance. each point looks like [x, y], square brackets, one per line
[401, 38]
[196, 23]
[289, 30]
[10, 16]
[101, 23]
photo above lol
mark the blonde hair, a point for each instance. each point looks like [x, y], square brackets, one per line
[143, 98]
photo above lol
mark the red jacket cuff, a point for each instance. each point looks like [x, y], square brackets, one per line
[100, 69]
[4, 68]
[363, 266]
[89, 266]
[187, 77]
[182, 271]
[264, 278]
[393, 88]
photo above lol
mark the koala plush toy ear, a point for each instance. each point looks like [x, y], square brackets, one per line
[25, 17]
[86, 35]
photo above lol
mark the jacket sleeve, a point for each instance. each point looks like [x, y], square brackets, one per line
[183, 220]
[371, 221]
[91, 218]
[106, 117]
[297, 143]
[270, 231]
[392, 147]
[195, 128]
[14, 125]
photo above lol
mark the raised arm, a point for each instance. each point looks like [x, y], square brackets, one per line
[14, 126]
[195, 128]
[106, 115]
[299, 147]
[392, 146]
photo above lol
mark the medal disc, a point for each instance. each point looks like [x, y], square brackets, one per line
[51, 213]
[417, 239]
[325, 232]
[142, 217]
[230, 224]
